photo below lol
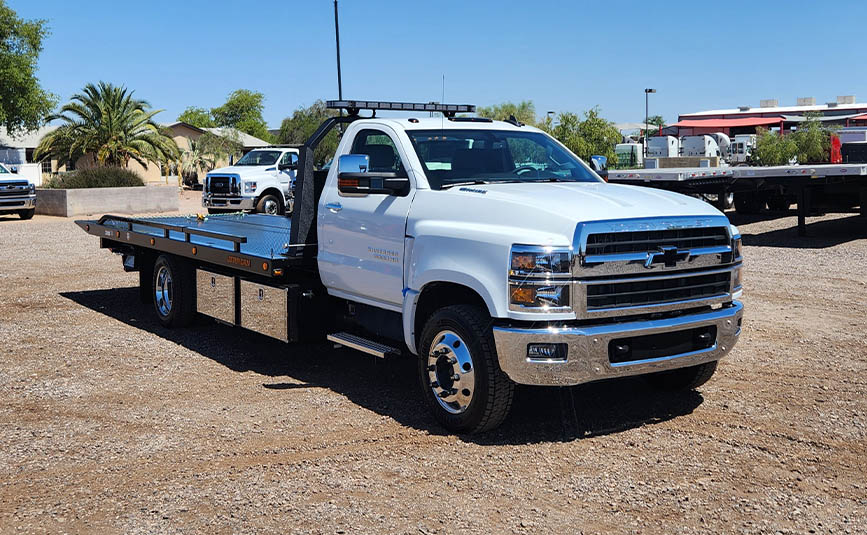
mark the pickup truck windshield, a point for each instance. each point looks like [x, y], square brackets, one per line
[260, 157]
[453, 157]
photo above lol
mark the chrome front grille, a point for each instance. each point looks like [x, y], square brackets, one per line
[14, 189]
[652, 265]
[643, 241]
[657, 290]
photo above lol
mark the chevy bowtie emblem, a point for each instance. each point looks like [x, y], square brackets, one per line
[669, 256]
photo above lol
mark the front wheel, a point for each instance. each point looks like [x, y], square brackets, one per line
[27, 214]
[682, 378]
[460, 376]
[269, 204]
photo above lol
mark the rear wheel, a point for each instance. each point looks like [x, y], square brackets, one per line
[173, 290]
[749, 202]
[460, 376]
[779, 203]
[269, 204]
[682, 378]
[27, 214]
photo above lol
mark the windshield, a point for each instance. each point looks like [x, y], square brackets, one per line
[453, 157]
[260, 157]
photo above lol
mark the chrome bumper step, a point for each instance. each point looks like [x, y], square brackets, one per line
[363, 344]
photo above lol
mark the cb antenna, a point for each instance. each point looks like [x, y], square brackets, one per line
[337, 40]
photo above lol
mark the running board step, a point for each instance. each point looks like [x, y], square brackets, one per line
[363, 344]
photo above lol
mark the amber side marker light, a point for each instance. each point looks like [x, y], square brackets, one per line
[117, 234]
[153, 241]
[195, 250]
[264, 266]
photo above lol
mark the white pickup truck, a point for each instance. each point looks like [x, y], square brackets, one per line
[262, 181]
[17, 194]
[486, 250]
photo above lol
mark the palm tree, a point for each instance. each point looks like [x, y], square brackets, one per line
[197, 158]
[108, 123]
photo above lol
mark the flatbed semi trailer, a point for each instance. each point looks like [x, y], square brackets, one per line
[836, 187]
[483, 249]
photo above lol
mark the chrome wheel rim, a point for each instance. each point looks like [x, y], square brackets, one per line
[163, 291]
[271, 206]
[451, 372]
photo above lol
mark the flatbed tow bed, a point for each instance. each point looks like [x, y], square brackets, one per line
[254, 243]
[800, 182]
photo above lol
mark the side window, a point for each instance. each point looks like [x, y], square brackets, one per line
[381, 150]
[289, 157]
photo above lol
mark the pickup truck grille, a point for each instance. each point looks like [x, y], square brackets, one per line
[221, 185]
[657, 291]
[644, 241]
[14, 189]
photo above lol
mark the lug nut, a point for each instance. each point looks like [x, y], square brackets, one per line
[453, 360]
[431, 368]
[435, 384]
[456, 377]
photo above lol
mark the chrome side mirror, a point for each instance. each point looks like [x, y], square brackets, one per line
[353, 163]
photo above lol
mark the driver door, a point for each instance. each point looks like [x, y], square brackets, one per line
[361, 237]
[286, 177]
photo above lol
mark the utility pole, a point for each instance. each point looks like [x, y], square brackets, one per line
[337, 39]
[646, 115]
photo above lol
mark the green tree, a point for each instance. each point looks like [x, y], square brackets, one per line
[23, 103]
[524, 111]
[198, 117]
[772, 148]
[592, 135]
[243, 110]
[304, 121]
[813, 140]
[107, 122]
[197, 158]
[654, 121]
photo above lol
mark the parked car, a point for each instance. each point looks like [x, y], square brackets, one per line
[17, 194]
[262, 181]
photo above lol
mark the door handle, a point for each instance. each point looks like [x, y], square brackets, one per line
[334, 206]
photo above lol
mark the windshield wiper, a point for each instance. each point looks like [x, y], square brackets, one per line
[479, 181]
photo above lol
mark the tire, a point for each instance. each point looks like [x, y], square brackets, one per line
[174, 291]
[682, 378]
[27, 214]
[726, 202]
[779, 203]
[457, 340]
[270, 204]
[215, 211]
[749, 202]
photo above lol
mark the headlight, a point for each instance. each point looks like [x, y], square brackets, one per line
[249, 187]
[539, 279]
[32, 189]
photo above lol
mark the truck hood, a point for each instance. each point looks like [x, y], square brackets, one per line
[243, 170]
[591, 201]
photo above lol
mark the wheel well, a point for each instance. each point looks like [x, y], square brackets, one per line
[436, 295]
[275, 192]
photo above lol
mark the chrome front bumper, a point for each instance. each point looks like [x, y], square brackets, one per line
[12, 204]
[234, 202]
[587, 348]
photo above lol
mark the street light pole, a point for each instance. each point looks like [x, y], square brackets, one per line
[647, 92]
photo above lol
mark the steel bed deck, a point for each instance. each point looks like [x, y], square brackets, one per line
[250, 242]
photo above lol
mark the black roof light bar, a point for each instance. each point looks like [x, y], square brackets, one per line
[354, 106]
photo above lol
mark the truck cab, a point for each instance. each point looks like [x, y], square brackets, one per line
[262, 181]
[17, 194]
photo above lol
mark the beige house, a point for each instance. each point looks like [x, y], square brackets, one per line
[19, 149]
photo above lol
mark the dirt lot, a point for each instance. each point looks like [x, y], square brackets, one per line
[110, 423]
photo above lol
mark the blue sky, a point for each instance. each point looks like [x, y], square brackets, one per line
[562, 55]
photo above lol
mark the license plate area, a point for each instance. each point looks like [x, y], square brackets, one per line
[655, 346]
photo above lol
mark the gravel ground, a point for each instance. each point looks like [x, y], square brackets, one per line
[110, 423]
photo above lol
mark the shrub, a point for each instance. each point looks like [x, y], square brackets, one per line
[98, 177]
